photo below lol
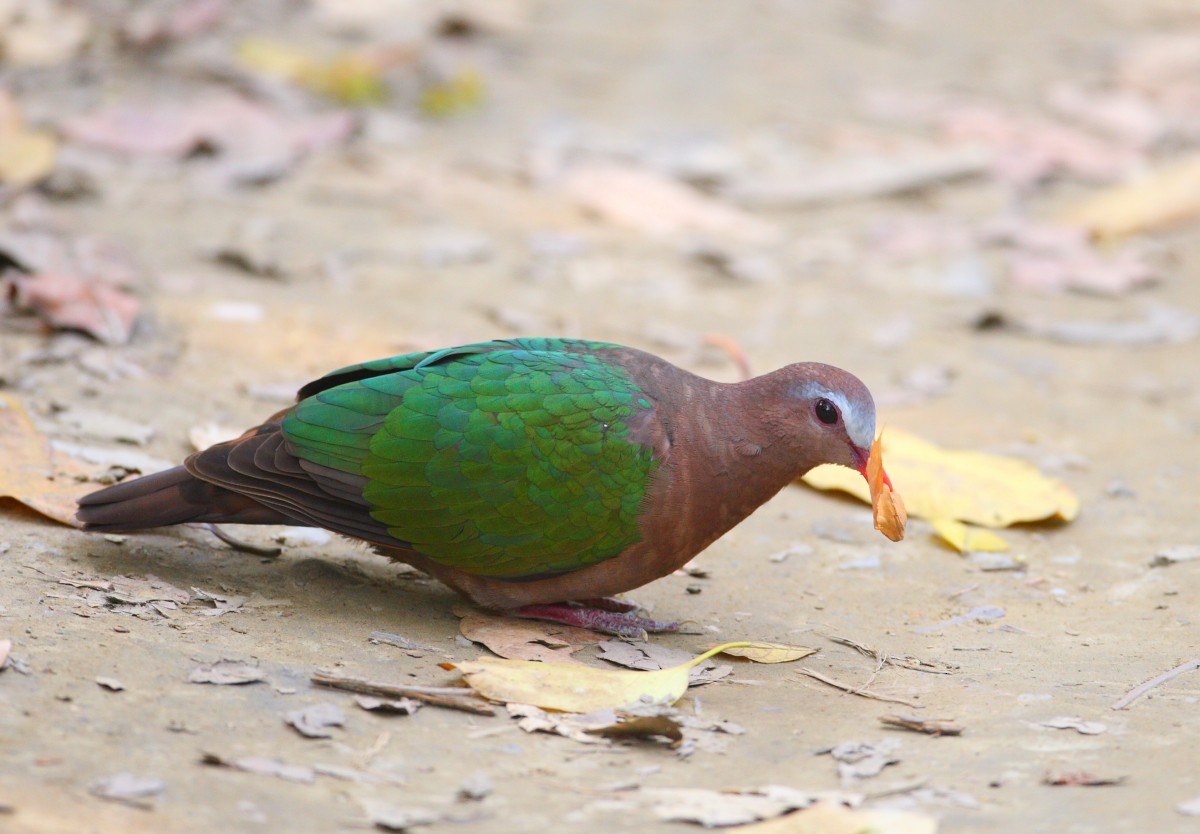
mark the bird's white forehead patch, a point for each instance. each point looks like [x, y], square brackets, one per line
[859, 420]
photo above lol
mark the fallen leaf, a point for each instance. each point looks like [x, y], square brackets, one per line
[714, 809]
[355, 77]
[533, 719]
[126, 787]
[1081, 778]
[314, 721]
[1166, 195]
[463, 91]
[69, 302]
[657, 206]
[221, 604]
[863, 759]
[226, 672]
[651, 656]
[974, 487]
[832, 818]
[966, 539]
[1067, 722]
[524, 639]
[392, 706]
[577, 688]
[111, 684]
[770, 652]
[643, 727]
[28, 470]
[263, 766]
[26, 155]
[888, 507]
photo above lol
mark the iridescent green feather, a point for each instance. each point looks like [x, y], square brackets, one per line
[509, 459]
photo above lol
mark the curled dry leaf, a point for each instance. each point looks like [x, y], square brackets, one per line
[69, 302]
[519, 639]
[577, 688]
[226, 672]
[890, 515]
[974, 487]
[770, 652]
[29, 469]
[316, 720]
[657, 206]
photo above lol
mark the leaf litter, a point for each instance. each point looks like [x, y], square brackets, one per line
[578, 688]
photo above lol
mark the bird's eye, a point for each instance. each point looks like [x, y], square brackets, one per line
[827, 412]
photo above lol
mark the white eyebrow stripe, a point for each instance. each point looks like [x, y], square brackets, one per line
[860, 427]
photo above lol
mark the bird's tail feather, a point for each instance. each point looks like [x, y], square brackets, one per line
[175, 496]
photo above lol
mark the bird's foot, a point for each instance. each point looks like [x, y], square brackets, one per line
[618, 619]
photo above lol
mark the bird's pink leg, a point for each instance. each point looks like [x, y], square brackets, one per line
[618, 620]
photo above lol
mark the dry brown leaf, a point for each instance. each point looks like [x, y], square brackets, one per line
[69, 302]
[890, 515]
[657, 206]
[30, 471]
[519, 639]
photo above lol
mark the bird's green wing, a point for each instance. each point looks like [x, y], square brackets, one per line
[510, 459]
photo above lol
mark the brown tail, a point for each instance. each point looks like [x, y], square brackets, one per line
[175, 496]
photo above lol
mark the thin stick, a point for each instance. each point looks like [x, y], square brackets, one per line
[1138, 691]
[853, 690]
[238, 544]
[441, 696]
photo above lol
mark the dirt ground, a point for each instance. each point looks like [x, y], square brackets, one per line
[423, 231]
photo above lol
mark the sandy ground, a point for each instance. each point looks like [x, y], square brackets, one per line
[1085, 620]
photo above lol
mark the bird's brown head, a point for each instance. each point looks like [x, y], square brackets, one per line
[834, 414]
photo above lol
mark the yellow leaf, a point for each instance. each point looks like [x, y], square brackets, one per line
[966, 539]
[27, 157]
[770, 652]
[830, 818]
[28, 467]
[975, 487]
[568, 687]
[276, 59]
[1165, 196]
[461, 93]
[351, 77]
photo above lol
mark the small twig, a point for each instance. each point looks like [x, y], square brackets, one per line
[853, 690]
[1138, 691]
[929, 726]
[441, 696]
[243, 546]
[909, 662]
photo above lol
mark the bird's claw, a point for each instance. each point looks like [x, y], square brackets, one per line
[619, 620]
